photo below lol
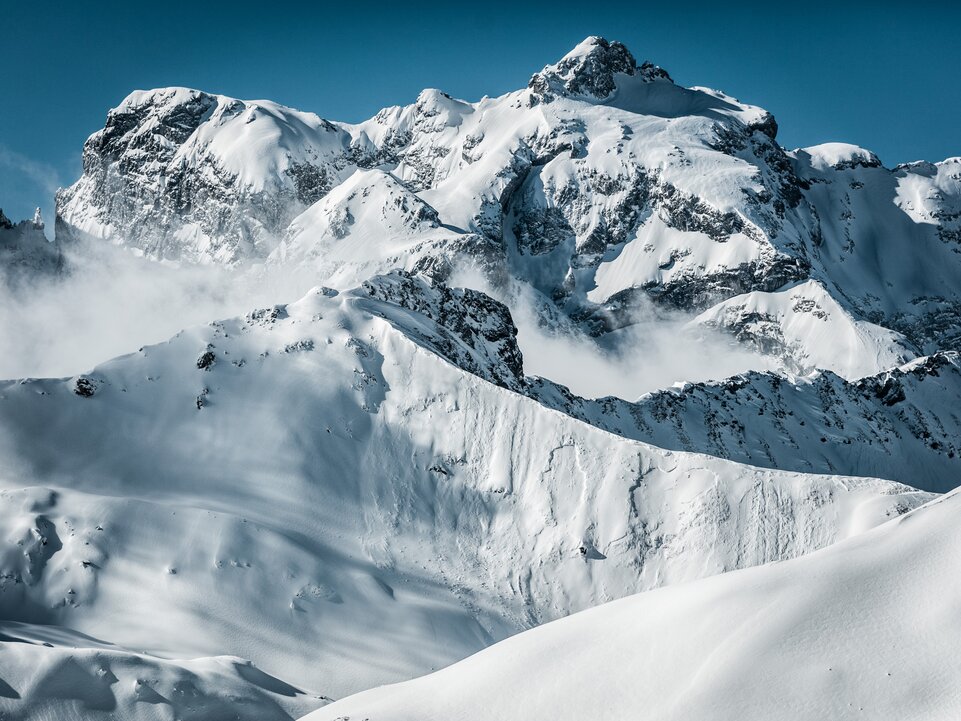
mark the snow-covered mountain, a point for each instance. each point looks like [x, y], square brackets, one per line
[863, 629]
[901, 424]
[601, 183]
[367, 484]
[354, 489]
[181, 174]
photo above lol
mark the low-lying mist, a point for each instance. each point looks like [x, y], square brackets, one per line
[647, 356]
[656, 350]
[112, 303]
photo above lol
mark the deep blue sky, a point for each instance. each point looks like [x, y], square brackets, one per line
[882, 75]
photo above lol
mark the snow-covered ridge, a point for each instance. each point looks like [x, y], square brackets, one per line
[838, 156]
[900, 424]
[51, 672]
[368, 508]
[808, 329]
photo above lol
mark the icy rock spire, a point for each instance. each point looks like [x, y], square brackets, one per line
[589, 70]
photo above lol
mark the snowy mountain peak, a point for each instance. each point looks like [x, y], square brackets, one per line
[839, 156]
[207, 178]
[590, 69]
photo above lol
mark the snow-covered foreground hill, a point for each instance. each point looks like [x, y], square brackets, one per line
[867, 628]
[324, 489]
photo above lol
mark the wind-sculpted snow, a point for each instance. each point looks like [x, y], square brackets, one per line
[864, 629]
[319, 487]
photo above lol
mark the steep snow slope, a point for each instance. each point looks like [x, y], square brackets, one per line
[902, 424]
[887, 240]
[368, 224]
[48, 672]
[867, 628]
[321, 488]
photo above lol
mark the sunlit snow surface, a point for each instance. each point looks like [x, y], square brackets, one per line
[313, 488]
[365, 480]
[864, 629]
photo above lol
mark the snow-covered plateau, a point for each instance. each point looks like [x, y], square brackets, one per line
[585, 401]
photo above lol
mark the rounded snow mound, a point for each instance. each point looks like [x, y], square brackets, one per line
[839, 156]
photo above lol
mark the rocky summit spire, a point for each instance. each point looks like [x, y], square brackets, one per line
[37, 219]
[589, 70]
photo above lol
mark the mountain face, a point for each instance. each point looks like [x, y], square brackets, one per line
[368, 484]
[179, 174]
[601, 184]
[361, 478]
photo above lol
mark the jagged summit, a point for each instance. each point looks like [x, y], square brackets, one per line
[601, 185]
[590, 69]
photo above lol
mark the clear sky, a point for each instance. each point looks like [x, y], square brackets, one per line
[883, 75]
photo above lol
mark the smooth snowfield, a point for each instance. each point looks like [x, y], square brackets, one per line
[315, 488]
[865, 629]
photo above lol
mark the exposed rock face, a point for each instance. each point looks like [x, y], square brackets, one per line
[474, 331]
[898, 424]
[180, 174]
